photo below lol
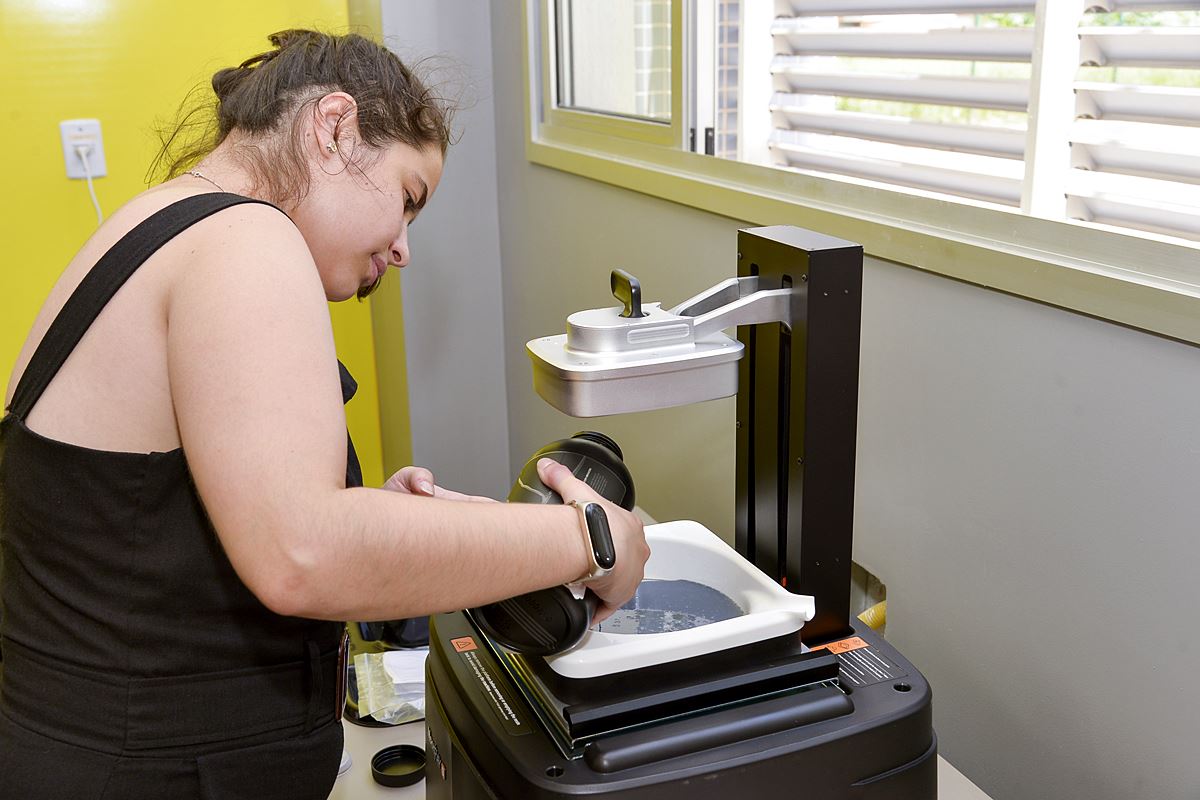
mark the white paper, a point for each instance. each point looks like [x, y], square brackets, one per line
[406, 666]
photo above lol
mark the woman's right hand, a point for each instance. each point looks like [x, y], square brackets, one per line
[629, 539]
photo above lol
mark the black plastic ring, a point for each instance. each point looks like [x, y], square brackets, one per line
[398, 765]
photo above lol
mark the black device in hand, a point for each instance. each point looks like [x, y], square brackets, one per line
[552, 620]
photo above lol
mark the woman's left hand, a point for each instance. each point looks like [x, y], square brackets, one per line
[419, 481]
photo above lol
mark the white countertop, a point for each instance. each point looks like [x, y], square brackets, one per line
[356, 784]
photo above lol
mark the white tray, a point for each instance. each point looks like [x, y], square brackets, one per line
[686, 550]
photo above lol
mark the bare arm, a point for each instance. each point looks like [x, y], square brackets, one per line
[256, 394]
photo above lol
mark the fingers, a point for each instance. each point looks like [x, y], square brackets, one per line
[419, 481]
[628, 538]
[616, 588]
[559, 478]
[603, 612]
[450, 494]
[412, 480]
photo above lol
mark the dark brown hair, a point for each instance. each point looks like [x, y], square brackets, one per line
[266, 92]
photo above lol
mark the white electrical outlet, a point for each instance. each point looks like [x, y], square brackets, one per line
[78, 133]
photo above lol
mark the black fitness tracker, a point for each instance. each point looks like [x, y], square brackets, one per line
[602, 555]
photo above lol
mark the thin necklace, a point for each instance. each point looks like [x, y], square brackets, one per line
[197, 173]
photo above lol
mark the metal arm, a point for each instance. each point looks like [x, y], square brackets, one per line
[736, 301]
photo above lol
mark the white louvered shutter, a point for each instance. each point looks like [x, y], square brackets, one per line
[929, 94]
[1135, 140]
[938, 95]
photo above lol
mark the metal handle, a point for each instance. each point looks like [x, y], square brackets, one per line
[628, 290]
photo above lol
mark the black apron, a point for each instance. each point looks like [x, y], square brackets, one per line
[136, 664]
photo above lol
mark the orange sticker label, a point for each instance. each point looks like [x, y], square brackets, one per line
[463, 644]
[843, 645]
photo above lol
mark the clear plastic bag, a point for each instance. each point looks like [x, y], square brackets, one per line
[391, 685]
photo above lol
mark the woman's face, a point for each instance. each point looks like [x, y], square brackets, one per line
[357, 215]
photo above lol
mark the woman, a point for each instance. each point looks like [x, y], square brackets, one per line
[181, 528]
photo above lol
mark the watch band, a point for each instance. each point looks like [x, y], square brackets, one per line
[597, 538]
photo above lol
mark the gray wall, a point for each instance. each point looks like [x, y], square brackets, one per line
[560, 242]
[1026, 476]
[1027, 490]
[452, 308]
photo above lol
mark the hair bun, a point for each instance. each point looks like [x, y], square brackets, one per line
[225, 81]
[294, 36]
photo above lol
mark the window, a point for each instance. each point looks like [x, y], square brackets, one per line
[1134, 159]
[935, 101]
[987, 124]
[614, 56]
[609, 68]
[942, 101]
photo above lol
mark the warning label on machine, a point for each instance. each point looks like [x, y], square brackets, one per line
[861, 664]
[501, 705]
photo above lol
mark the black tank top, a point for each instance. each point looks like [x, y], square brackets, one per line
[117, 595]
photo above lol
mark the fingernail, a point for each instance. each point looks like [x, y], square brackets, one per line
[543, 463]
[426, 487]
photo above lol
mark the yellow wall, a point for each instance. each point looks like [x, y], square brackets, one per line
[126, 63]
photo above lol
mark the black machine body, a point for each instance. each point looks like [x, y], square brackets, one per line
[855, 724]
[832, 712]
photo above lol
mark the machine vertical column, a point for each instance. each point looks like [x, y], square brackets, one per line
[797, 417]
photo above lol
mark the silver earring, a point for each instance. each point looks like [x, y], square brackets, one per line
[331, 147]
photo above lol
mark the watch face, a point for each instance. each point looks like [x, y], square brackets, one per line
[601, 535]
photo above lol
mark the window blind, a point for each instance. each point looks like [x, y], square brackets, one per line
[928, 94]
[973, 98]
[1134, 156]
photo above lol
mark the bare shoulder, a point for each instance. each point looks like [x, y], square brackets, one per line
[250, 249]
[247, 238]
[249, 221]
[247, 269]
[252, 228]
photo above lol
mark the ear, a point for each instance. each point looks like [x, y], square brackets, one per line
[335, 124]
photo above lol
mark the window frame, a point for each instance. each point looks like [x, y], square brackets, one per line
[1142, 280]
[618, 128]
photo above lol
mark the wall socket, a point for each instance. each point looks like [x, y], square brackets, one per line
[77, 132]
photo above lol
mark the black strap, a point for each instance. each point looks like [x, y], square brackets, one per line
[354, 476]
[102, 282]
